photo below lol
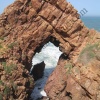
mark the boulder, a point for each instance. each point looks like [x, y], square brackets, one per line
[38, 70]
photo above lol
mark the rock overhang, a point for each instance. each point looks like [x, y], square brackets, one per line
[25, 26]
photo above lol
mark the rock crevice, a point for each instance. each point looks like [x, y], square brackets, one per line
[25, 27]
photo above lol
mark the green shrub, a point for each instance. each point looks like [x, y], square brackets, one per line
[1, 46]
[12, 45]
[8, 68]
[1, 98]
[88, 53]
[1, 83]
[1, 38]
[69, 67]
[7, 90]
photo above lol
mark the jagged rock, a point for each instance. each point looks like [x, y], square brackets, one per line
[38, 70]
[25, 27]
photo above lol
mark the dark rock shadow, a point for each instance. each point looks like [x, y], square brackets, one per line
[38, 91]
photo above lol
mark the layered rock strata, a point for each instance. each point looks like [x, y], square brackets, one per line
[25, 27]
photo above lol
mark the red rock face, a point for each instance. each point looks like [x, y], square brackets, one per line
[25, 27]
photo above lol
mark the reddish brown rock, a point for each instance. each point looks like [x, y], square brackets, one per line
[25, 27]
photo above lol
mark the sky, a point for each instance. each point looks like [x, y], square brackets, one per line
[92, 6]
[4, 4]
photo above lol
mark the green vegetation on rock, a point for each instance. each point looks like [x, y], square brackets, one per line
[1, 98]
[1, 46]
[88, 53]
[1, 38]
[1, 83]
[6, 90]
[12, 45]
[69, 67]
[8, 68]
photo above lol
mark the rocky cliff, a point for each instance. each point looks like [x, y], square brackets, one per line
[25, 27]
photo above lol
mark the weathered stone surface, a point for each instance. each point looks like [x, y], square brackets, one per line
[25, 27]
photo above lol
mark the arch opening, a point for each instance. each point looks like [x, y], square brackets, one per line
[48, 55]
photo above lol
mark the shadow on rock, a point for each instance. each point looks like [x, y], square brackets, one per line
[38, 70]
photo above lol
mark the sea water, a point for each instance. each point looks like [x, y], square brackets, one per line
[92, 22]
[50, 55]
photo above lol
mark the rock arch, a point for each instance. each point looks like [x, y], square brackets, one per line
[25, 26]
